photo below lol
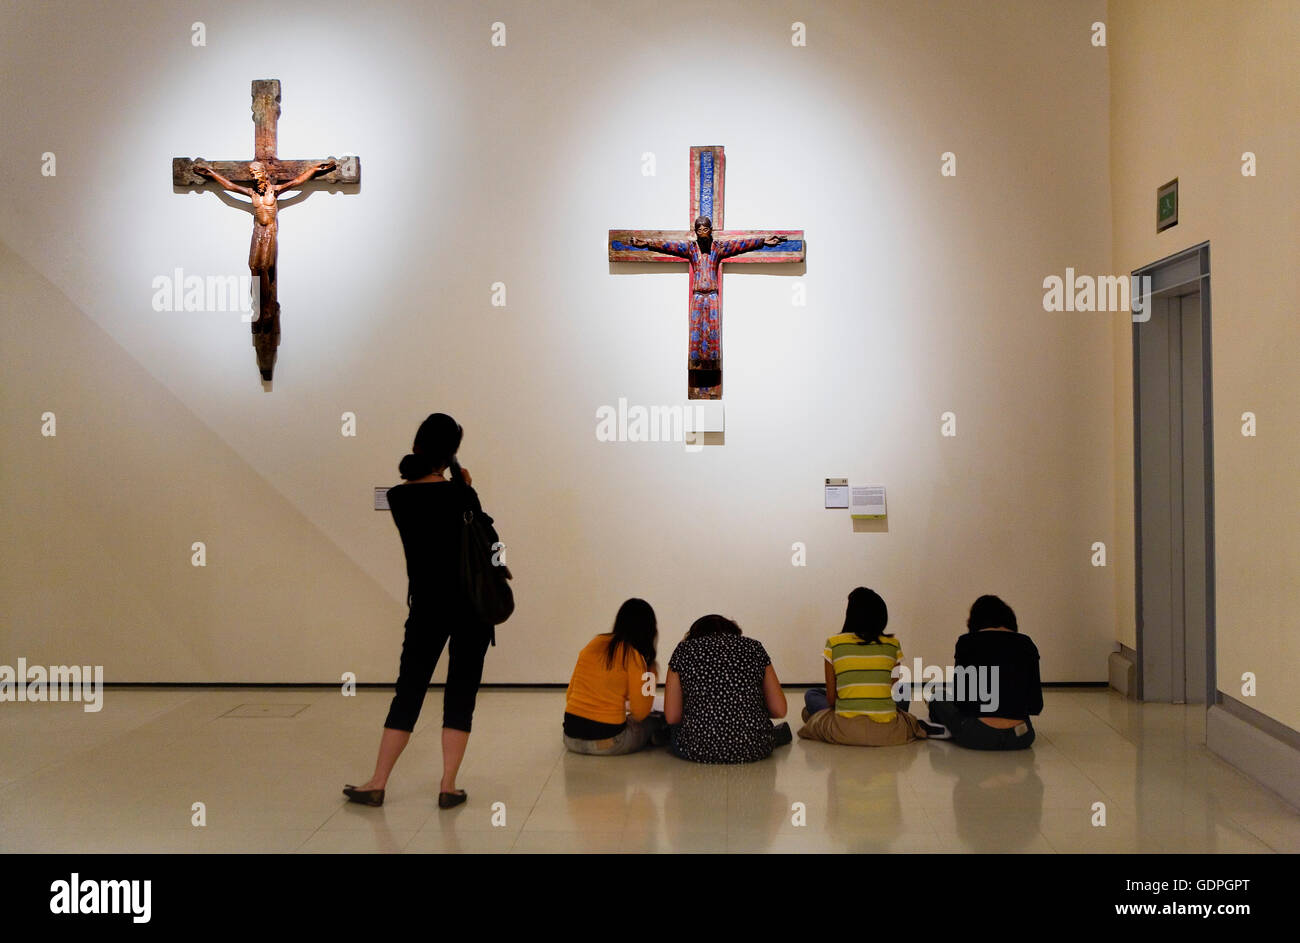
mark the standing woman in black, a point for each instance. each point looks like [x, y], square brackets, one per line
[428, 511]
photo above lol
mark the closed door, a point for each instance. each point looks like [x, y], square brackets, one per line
[1172, 550]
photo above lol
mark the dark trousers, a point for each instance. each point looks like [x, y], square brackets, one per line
[971, 732]
[427, 633]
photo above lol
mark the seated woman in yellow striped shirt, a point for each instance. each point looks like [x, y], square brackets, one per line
[857, 705]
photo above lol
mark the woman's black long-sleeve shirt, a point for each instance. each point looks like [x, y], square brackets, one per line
[1019, 688]
[429, 517]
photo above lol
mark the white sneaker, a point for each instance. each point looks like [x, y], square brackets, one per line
[934, 731]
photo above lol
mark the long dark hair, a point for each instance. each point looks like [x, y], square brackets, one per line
[634, 629]
[866, 616]
[990, 612]
[435, 446]
[712, 625]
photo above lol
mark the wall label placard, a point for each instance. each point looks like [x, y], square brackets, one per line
[867, 502]
[837, 492]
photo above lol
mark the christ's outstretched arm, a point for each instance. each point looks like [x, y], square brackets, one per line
[675, 247]
[729, 247]
[203, 170]
[323, 167]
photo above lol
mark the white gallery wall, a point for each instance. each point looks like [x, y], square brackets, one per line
[1197, 87]
[485, 164]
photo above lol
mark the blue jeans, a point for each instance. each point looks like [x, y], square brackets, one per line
[637, 735]
[815, 700]
[969, 731]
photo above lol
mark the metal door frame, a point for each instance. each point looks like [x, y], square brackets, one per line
[1190, 267]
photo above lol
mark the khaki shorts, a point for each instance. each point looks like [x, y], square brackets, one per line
[829, 727]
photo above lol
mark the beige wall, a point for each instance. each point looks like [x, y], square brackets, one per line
[487, 164]
[1194, 85]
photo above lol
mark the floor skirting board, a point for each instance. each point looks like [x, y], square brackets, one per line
[1265, 750]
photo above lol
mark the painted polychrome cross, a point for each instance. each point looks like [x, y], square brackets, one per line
[262, 180]
[705, 248]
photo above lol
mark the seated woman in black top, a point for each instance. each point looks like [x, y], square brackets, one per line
[999, 686]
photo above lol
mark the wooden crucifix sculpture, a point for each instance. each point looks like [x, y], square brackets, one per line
[705, 248]
[262, 180]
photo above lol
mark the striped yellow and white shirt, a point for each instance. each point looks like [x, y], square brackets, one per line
[863, 676]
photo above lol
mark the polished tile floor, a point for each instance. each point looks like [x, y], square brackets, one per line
[126, 780]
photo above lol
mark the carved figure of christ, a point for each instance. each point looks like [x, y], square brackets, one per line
[262, 180]
[705, 255]
[704, 250]
[263, 193]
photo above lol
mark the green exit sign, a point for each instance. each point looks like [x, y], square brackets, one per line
[1167, 206]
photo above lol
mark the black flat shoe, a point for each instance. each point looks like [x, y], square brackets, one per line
[449, 800]
[371, 797]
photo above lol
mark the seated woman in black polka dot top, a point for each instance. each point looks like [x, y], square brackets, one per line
[721, 695]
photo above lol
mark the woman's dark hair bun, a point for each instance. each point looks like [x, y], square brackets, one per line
[435, 446]
[415, 466]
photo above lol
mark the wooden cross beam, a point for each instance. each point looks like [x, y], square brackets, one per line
[705, 247]
[262, 180]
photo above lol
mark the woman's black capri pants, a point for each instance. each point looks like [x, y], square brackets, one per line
[428, 629]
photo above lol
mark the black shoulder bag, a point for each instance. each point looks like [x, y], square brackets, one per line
[486, 581]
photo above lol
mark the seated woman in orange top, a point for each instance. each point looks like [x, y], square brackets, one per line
[607, 710]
